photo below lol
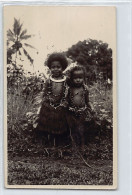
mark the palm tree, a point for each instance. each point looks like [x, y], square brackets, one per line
[15, 41]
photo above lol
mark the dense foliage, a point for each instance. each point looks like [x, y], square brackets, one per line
[94, 55]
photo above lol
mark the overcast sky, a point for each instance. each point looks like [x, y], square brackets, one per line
[58, 28]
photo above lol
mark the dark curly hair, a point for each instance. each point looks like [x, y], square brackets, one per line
[57, 57]
[71, 72]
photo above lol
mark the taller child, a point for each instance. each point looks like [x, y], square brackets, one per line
[52, 117]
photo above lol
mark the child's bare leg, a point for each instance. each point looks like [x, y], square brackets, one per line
[82, 138]
[82, 143]
[48, 137]
[54, 141]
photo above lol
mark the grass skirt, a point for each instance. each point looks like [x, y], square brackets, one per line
[51, 120]
[82, 125]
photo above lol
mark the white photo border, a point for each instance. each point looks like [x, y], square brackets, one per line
[124, 73]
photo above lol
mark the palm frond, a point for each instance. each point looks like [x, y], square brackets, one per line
[11, 39]
[28, 56]
[10, 35]
[28, 45]
[7, 42]
[26, 37]
[19, 52]
[17, 27]
[23, 33]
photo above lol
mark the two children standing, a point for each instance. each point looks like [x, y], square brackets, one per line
[65, 105]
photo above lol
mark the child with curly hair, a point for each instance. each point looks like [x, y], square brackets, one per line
[79, 110]
[52, 116]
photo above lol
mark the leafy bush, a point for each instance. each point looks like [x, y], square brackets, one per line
[94, 55]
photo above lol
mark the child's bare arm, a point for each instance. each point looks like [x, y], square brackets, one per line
[88, 103]
[66, 99]
[87, 95]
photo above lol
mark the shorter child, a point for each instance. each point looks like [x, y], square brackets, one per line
[79, 110]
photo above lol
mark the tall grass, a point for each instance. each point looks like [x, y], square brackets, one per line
[20, 132]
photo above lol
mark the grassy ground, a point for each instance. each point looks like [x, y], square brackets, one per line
[35, 164]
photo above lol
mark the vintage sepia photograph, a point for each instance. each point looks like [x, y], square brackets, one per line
[60, 123]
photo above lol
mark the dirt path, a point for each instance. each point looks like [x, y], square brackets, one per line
[41, 170]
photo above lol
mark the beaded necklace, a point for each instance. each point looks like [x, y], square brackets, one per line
[74, 107]
[58, 80]
[62, 93]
